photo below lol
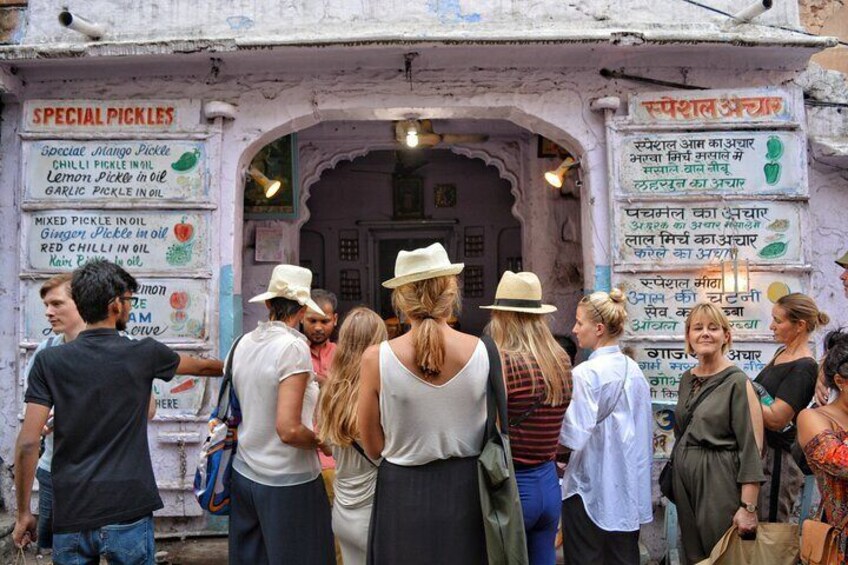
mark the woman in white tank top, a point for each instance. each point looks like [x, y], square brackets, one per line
[422, 407]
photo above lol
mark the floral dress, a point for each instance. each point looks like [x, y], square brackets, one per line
[827, 455]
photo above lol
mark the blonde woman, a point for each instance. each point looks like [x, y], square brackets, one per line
[422, 406]
[718, 433]
[786, 386]
[606, 489]
[538, 382]
[356, 473]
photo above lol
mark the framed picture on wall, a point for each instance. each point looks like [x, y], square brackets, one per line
[408, 198]
[547, 149]
[268, 248]
[276, 162]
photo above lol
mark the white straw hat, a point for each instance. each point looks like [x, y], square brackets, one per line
[520, 292]
[422, 264]
[292, 282]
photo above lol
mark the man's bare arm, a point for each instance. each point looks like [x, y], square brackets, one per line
[26, 460]
[196, 366]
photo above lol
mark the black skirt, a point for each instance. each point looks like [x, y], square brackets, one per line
[428, 514]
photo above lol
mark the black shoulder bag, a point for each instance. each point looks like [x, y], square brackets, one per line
[666, 482]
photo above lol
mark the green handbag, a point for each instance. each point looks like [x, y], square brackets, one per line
[503, 522]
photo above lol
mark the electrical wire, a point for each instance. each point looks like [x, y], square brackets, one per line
[784, 28]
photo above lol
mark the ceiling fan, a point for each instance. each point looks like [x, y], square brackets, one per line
[419, 133]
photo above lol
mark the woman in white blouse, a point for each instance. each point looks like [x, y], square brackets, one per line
[606, 489]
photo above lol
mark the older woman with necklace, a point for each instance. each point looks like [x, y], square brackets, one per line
[718, 433]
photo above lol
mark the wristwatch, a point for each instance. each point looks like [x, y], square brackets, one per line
[749, 507]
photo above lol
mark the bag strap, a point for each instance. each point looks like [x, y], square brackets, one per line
[223, 406]
[354, 444]
[495, 393]
[701, 397]
[518, 420]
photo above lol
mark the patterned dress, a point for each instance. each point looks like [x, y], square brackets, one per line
[827, 455]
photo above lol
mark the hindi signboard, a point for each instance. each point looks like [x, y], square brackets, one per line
[112, 171]
[663, 363]
[714, 106]
[700, 233]
[658, 304]
[173, 241]
[171, 310]
[766, 162]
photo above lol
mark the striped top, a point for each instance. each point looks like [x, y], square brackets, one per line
[534, 440]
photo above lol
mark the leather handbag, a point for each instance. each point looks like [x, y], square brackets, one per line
[503, 521]
[819, 543]
[214, 472]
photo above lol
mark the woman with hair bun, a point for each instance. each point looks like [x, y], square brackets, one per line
[718, 433]
[606, 489]
[785, 386]
[422, 407]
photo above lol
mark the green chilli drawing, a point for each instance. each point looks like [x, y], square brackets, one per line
[774, 151]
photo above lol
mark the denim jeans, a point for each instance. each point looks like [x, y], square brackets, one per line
[45, 508]
[120, 544]
[538, 487]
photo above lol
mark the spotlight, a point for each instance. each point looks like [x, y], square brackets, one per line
[269, 187]
[556, 176]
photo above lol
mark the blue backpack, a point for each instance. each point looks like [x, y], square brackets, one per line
[214, 472]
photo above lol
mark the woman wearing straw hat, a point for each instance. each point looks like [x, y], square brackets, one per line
[279, 509]
[606, 490]
[422, 407]
[538, 381]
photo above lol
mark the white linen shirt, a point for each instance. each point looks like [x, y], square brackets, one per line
[263, 359]
[610, 467]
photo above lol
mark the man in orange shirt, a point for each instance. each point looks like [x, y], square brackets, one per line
[319, 329]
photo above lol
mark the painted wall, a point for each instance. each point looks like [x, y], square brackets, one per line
[554, 103]
[305, 20]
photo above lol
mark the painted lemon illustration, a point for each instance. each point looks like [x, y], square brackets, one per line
[777, 290]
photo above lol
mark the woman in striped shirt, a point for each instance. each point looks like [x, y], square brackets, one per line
[538, 381]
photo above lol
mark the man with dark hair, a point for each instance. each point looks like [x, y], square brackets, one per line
[99, 384]
[279, 511]
[319, 327]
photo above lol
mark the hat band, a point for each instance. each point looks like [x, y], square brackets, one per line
[518, 303]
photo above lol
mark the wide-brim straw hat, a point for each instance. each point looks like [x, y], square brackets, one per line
[843, 261]
[520, 292]
[422, 264]
[292, 282]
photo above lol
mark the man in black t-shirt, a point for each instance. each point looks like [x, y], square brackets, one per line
[104, 488]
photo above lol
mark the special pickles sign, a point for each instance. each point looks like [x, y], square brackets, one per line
[113, 171]
[109, 115]
[62, 240]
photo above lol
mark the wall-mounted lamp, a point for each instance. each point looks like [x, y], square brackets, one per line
[411, 138]
[78, 23]
[734, 273]
[755, 9]
[269, 187]
[555, 177]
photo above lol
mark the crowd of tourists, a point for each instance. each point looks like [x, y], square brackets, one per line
[368, 450]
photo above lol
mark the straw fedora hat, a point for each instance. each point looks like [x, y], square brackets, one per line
[292, 282]
[520, 292]
[843, 261]
[422, 264]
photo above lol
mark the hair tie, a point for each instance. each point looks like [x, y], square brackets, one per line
[427, 317]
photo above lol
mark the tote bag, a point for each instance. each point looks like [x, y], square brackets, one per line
[776, 544]
[503, 521]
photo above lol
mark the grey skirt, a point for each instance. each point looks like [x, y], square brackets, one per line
[427, 514]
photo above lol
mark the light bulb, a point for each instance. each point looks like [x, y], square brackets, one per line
[411, 137]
